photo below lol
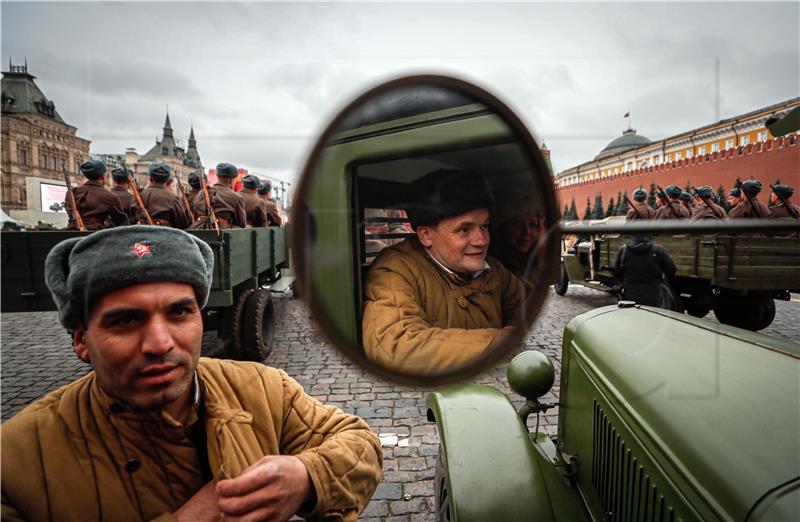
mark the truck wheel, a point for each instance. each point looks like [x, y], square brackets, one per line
[669, 299]
[749, 312]
[697, 307]
[563, 282]
[231, 327]
[767, 313]
[443, 510]
[258, 329]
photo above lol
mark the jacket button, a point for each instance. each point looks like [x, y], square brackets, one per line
[132, 465]
[116, 407]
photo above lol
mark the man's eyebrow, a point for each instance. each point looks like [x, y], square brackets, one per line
[115, 313]
[186, 301]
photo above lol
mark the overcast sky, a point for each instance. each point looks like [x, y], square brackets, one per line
[260, 80]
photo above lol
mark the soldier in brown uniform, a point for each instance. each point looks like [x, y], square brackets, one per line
[122, 188]
[734, 196]
[273, 216]
[705, 207]
[98, 206]
[778, 210]
[194, 183]
[673, 209]
[642, 210]
[254, 207]
[165, 208]
[228, 205]
[744, 210]
[687, 200]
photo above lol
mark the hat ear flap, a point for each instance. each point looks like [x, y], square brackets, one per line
[208, 261]
[56, 273]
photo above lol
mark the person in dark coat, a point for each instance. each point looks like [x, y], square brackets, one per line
[641, 266]
[273, 215]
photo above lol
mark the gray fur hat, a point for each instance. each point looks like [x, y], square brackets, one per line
[639, 194]
[79, 271]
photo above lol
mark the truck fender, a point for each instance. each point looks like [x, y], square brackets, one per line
[490, 465]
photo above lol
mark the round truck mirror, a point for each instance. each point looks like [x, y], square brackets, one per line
[431, 248]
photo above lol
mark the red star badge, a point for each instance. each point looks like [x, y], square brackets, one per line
[141, 249]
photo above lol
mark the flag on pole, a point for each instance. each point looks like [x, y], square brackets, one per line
[627, 114]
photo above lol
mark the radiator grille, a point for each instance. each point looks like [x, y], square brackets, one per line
[624, 487]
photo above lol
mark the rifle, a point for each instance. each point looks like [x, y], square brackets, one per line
[209, 208]
[185, 199]
[633, 206]
[707, 202]
[667, 201]
[786, 204]
[138, 196]
[76, 214]
[749, 199]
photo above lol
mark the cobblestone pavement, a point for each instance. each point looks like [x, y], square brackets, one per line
[36, 358]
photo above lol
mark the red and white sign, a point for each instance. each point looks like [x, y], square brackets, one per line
[51, 194]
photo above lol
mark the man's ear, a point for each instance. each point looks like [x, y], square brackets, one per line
[424, 236]
[79, 344]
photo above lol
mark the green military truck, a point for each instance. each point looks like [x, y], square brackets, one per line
[248, 264]
[738, 277]
[661, 417]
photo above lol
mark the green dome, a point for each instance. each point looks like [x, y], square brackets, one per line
[629, 140]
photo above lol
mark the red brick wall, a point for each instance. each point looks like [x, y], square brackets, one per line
[774, 159]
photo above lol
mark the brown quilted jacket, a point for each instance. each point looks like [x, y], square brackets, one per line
[76, 454]
[419, 318]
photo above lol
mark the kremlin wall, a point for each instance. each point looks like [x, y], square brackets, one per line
[717, 155]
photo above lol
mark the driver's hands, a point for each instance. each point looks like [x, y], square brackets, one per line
[274, 489]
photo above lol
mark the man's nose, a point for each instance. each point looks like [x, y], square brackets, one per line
[157, 337]
[480, 238]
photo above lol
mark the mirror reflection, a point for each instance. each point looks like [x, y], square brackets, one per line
[425, 211]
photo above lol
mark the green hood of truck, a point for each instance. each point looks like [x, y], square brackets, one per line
[715, 405]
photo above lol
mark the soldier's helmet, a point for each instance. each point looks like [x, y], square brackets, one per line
[160, 172]
[194, 180]
[119, 173]
[250, 182]
[752, 186]
[226, 170]
[93, 169]
[785, 191]
[735, 192]
[673, 191]
[639, 194]
[265, 187]
[685, 196]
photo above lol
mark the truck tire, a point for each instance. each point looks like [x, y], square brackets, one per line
[442, 498]
[563, 282]
[231, 327]
[669, 299]
[767, 313]
[697, 306]
[258, 329]
[749, 312]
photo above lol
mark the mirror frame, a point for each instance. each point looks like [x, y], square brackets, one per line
[551, 246]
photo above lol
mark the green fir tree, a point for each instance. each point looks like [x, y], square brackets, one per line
[598, 212]
[588, 214]
[573, 211]
[611, 208]
[622, 206]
